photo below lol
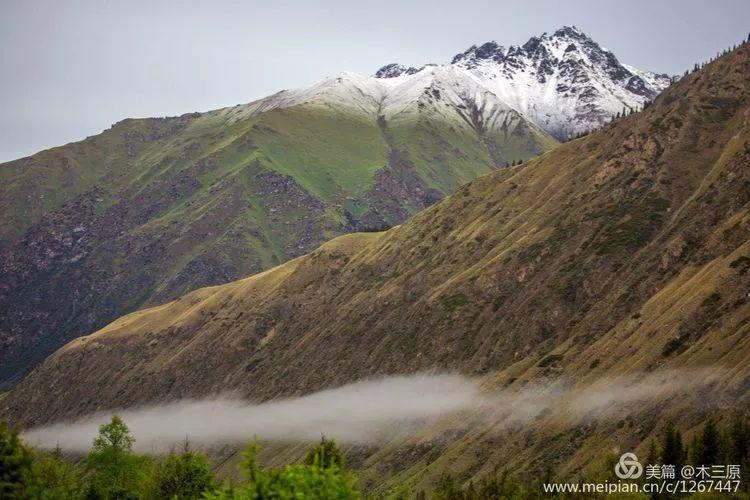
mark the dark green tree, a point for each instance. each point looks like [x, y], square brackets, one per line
[707, 446]
[16, 474]
[739, 450]
[673, 452]
[491, 487]
[326, 455]
[56, 478]
[503, 486]
[692, 449]
[740, 441]
[653, 453]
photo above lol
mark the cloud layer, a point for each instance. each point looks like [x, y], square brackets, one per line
[372, 411]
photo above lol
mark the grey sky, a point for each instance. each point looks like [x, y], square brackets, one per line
[72, 68]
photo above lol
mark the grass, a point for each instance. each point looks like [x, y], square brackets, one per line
[326, 152]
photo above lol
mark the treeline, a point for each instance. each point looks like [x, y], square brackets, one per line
[712, 445]
[724, 52]
[112, 470]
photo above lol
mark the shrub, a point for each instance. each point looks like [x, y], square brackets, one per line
[326, 455]
[552, 359]
[55, 478]
[299, 481]
[183, 475]
[454, 301]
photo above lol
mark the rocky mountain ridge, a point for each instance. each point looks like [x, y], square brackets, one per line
[565, 82]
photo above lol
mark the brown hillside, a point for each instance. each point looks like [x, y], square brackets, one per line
[626, 251]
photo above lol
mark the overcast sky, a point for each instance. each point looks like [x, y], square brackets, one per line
[72, 68]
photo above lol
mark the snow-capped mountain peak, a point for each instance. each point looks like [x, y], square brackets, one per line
[564, 83]
[489, 50]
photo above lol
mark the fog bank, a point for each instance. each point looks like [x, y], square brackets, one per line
[362, 412]
[373, 411]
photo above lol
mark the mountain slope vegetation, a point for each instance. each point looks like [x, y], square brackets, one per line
[154, 208]
[621, 253]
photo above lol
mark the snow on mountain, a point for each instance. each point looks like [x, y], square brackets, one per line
[564, 83]
[394, 70]
[447, 93]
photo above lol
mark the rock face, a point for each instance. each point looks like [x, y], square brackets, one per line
[394, 70]
[622, 253]
[564, 82]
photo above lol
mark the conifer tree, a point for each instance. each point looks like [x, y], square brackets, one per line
[708, 446]
[740, 445]
[653, 453]
[673, 452]
[15, 465]
[326, 455]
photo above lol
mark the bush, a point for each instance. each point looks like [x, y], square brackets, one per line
[185, 475]
[55, 478]
[300, 481]
[451, 302]
[326, 455]
[497, 485]
[676, 345]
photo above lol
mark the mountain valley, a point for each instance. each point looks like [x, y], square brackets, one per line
[154, 208]
[619, 255]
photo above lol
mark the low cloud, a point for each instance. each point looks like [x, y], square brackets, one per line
[372, 411]
[366, 411]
